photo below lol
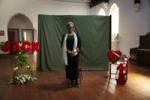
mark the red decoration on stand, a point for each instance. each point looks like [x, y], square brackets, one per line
[122, 68]
[114, 56]
[122, 72]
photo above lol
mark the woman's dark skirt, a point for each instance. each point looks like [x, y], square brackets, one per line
[72, 69]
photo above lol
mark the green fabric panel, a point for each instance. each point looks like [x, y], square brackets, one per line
[94, 32]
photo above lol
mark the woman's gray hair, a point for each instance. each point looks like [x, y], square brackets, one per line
[70, 24]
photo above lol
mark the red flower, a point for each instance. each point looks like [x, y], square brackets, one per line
[25, 46]
[114, 55]
[6, 47]
[16, 46]
[35, 46]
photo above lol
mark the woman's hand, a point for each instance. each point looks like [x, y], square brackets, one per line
[73, 52]
[78, 50]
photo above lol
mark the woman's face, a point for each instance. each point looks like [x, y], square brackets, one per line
[71, 28]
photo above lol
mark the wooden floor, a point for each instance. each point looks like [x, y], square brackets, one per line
[95, 85]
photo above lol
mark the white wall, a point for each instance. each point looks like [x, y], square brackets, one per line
[132, 24]
[31, 8]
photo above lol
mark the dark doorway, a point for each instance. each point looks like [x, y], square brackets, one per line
[20, 28]
[13, 35]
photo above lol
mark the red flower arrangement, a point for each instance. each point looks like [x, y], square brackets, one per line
[26, 46]
[114, 56]
[22, 69]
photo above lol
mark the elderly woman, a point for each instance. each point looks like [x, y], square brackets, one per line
[71, 46]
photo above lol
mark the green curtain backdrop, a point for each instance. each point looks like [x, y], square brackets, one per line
[94, 32]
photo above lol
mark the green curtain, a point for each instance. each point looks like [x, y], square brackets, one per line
[94, 32]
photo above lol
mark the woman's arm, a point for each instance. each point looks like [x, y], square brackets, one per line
[79, 42]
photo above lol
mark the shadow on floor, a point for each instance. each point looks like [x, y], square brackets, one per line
[54, 86]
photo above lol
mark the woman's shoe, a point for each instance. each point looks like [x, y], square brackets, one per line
[77, 84]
